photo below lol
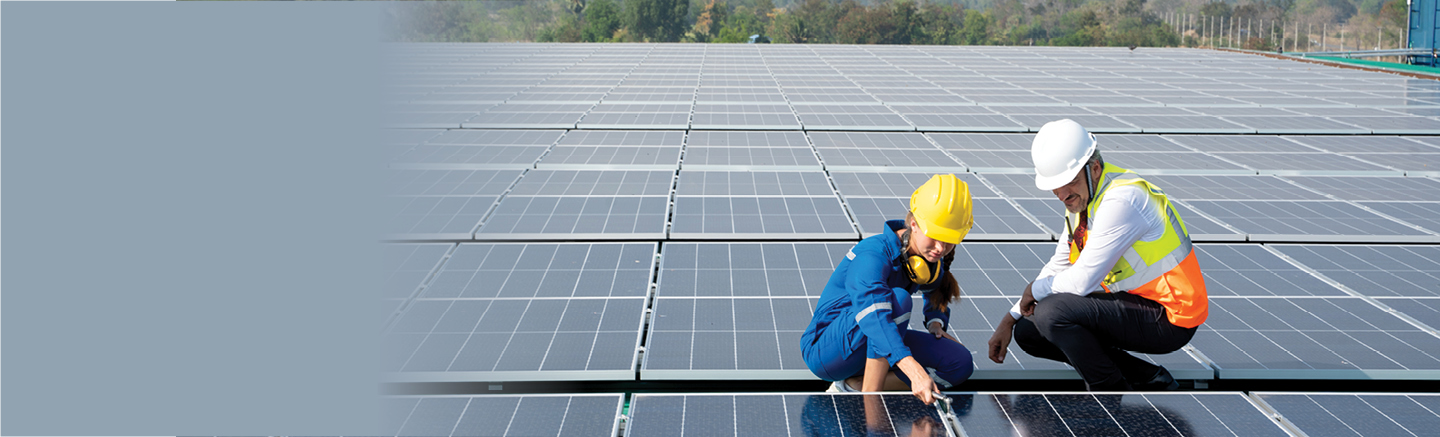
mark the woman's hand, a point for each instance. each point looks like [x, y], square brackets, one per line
[939, 331]
[920, 383]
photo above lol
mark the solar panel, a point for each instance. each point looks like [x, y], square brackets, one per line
[611, 157]
[1307, 164]
[1313, 338]
[982, 161]
[1308, 221]
[427, 120]
[1413, 164]
[1404, 271]
[912, 160]
[746, 139]
[462, 157]
[1092, 123]
[1423, 312]
[504, 117]
[744, 116]
[1173, 163]
[1366, 144]
[1006, 142]
[594, 183]
[1138, 143]
[964, 123]
[1252, 270]
[1187, 188]
[870, 140]
[409, 267]
[1101, 414]
[748, 269]
[884, 184]
[757, 183]
[500, 415]
[755, 217]
[635, 120]
[576, 217]
[994, 219]
[727, 338]
[555, 270]
[1369, 414]
[440, 340]
[1246, 143]
[439, 204]
[1378, 189]
[436, 217]
[1184, 124]
[1394, 125]
[660, 414]
[1016, 185]
[841, 116]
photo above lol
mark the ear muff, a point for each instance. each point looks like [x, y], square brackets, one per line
[921, 271]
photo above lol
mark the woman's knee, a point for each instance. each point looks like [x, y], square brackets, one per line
[956, 363]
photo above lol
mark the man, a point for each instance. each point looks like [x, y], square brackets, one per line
[1123, 278]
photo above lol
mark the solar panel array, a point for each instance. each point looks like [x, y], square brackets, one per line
[653, 212]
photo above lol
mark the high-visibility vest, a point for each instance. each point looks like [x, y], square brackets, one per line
[1165, 270]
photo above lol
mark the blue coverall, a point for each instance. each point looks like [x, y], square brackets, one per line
[866, 306]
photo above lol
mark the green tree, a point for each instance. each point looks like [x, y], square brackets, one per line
[655, 20]
[602, 19]
[977, 28]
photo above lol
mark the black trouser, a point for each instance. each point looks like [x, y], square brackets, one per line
[1092, 333]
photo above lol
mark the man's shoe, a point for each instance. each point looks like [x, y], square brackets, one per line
[1162, 381]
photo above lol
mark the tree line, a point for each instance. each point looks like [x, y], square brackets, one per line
[939, 22]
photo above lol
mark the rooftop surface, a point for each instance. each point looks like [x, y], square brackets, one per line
[665, 216]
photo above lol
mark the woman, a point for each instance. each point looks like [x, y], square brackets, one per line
[859, 334]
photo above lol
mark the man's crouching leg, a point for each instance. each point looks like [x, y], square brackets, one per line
[1068, 322]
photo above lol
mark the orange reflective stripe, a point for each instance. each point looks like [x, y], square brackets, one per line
[1181, 291]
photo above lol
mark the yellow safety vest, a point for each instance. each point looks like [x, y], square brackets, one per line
[1165, 270]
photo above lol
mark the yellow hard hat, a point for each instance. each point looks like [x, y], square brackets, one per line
[942, 208]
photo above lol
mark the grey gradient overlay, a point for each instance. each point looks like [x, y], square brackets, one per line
[187, 193]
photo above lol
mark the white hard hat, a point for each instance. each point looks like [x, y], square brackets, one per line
[1060, 150]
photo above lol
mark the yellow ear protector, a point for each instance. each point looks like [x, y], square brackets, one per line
[921, 271]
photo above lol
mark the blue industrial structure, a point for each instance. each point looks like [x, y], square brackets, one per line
[1422, 32]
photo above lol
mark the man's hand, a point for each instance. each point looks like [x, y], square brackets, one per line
[1027, 302]
[939, 331]
[1000, 342]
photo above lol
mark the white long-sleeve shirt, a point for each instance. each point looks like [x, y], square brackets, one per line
[1125, 215]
